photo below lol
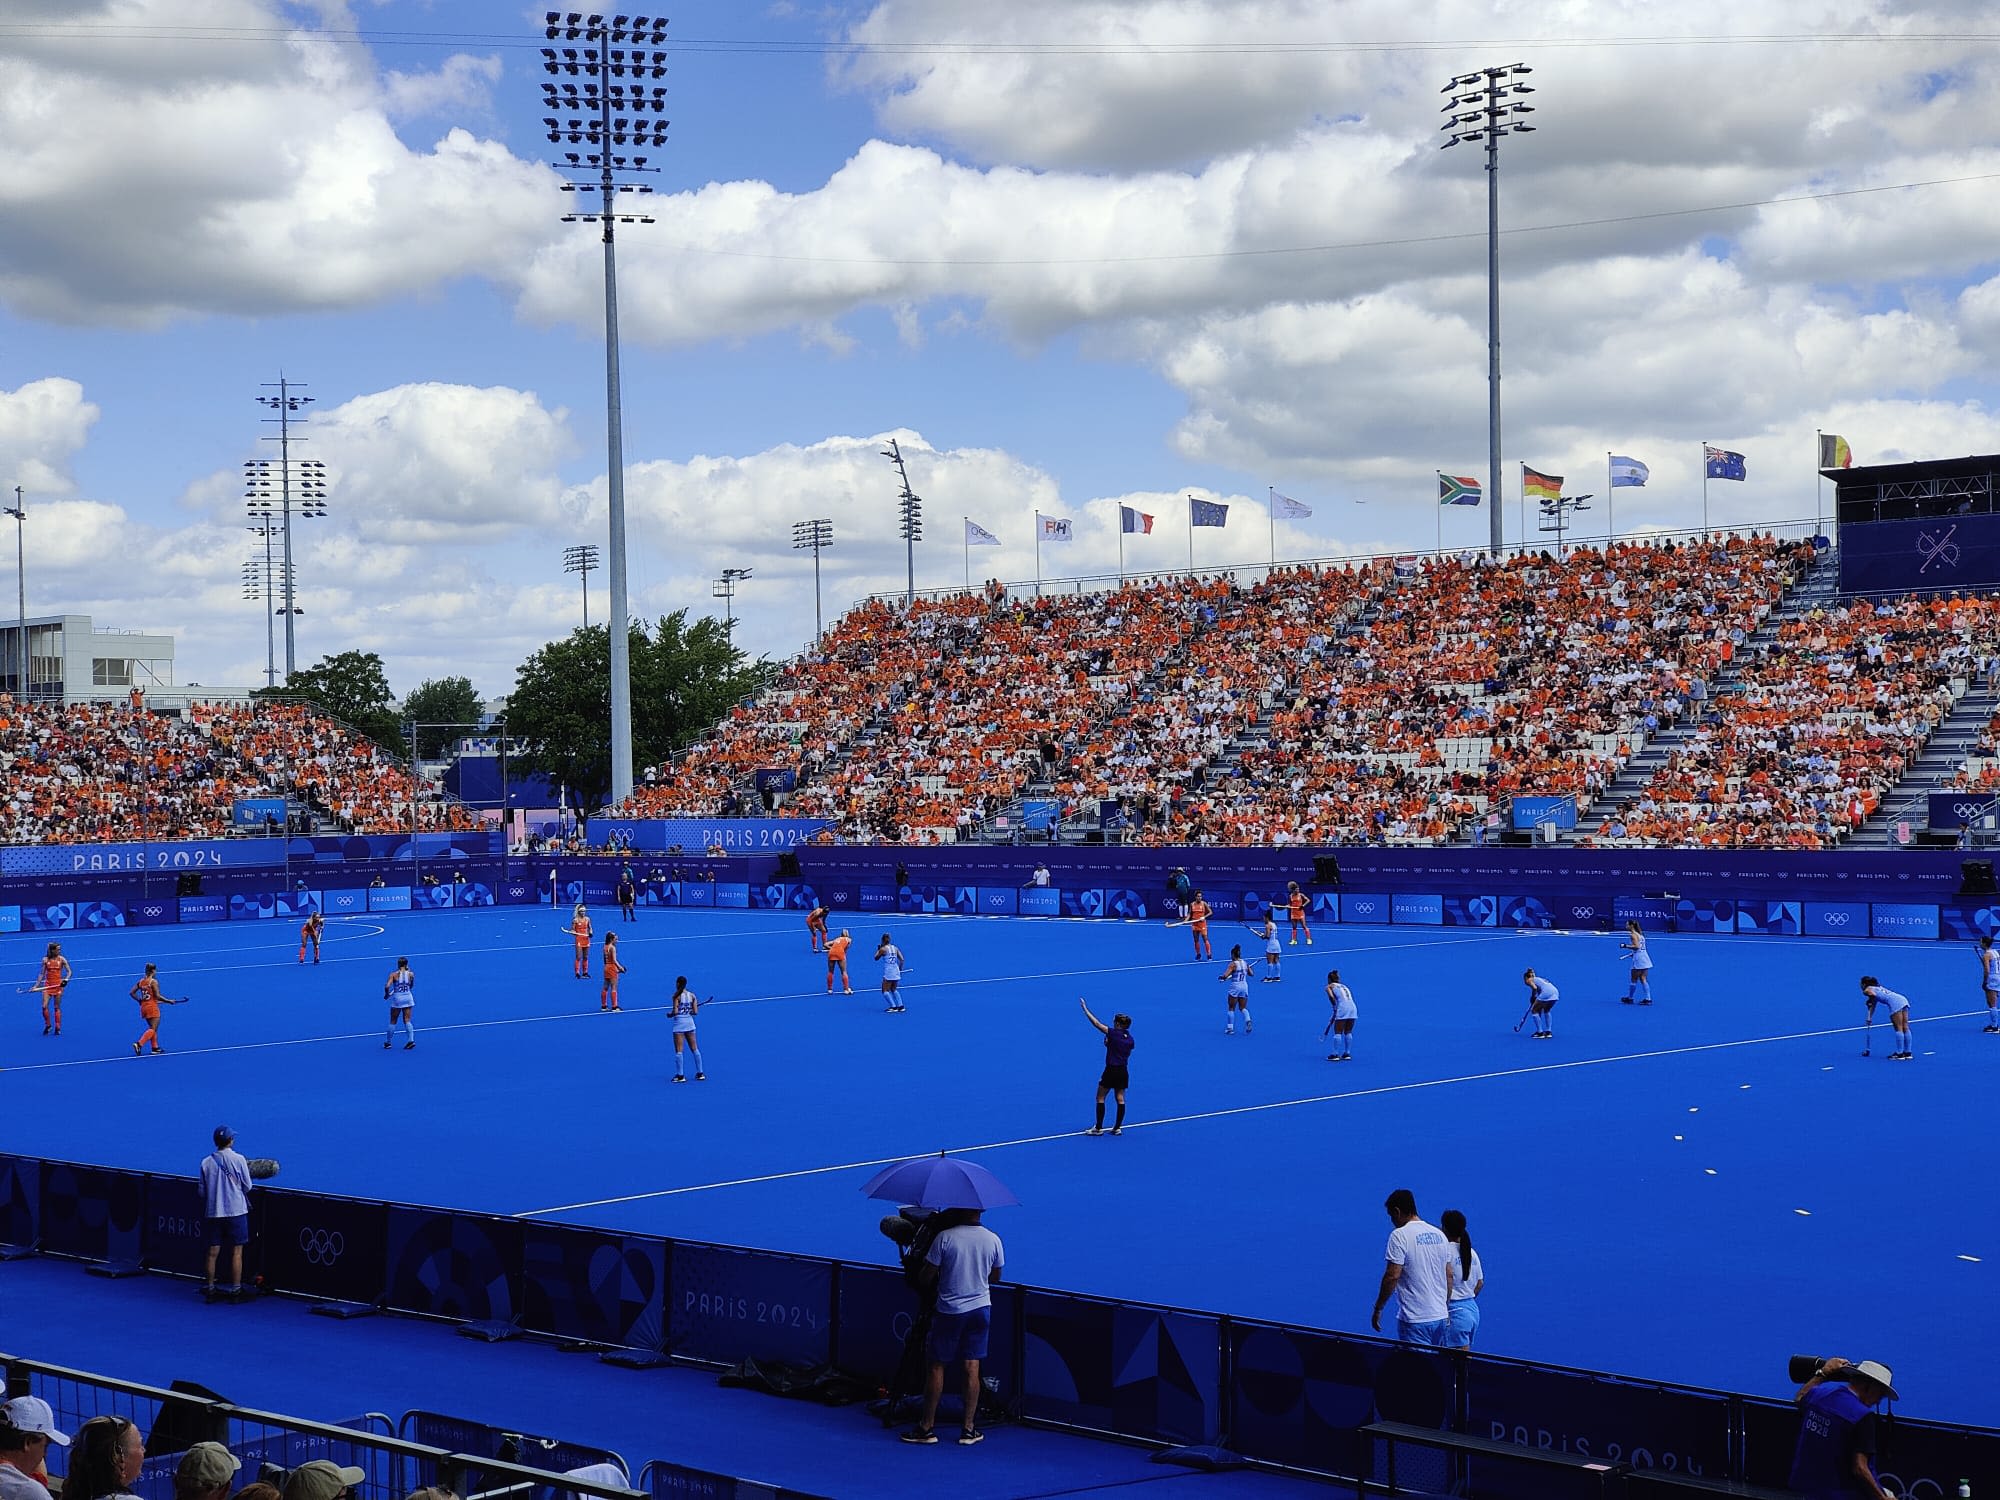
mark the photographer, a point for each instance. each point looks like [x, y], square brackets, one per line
[1835, 1456]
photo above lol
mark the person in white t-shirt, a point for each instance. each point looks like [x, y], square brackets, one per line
[1468, 1279]
[962, 1264]
[1417, 1274]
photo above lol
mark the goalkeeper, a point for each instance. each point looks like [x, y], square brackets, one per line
[225, 1196]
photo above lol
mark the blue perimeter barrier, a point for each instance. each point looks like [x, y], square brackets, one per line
[1279, 1394]
[1914, 895]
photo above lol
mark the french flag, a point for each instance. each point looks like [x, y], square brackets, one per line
[1134, 520]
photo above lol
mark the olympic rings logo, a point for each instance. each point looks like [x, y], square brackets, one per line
[1583, 911]
[1362, 908]
[1964, 811]
[1834, 918]
[322, 1247]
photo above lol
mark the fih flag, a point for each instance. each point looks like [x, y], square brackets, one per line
[1540, 486]
[1054, 529]
[1206, 513]
[978, 536]
[1834, 452]
[1722, 464]
[1285, 508]
[1457, 489]
[1628, 473]
[1134, 520]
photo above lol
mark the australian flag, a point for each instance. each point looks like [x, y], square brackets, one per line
[1722, 464]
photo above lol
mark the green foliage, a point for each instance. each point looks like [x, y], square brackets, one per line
[684, 679]
[443, 700]
[352, 686]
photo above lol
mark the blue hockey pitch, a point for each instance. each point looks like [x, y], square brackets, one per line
[1690, 1192]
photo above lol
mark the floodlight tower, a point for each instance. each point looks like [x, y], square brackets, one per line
[910, 526]
[258, 577]
[724, 588]
[1486, 110]
[582, 560]
[617, 104]
[1556, 515]
[300, 485]
[817, 535]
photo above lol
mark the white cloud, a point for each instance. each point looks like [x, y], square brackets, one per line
[43, 425]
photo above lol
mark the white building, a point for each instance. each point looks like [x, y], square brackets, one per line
[72, 661]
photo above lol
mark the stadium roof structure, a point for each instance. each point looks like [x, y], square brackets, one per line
[1914, 472]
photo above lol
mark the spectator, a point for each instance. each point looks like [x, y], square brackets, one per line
[263, 1490]
[1041, 876]
[322, 1479]
[1835, 1456]
[1418, 1275]
[962, 1264]
[205, 1472]
[225, 1193]
[27, 1427]
[104, 1461]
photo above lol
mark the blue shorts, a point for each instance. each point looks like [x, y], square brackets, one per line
[1464, 1322]
[232, 1231]
[1437, 1335]
[956, 1336]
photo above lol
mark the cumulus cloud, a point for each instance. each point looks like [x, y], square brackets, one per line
[43, 425]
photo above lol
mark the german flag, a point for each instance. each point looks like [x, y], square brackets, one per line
[1540, 486]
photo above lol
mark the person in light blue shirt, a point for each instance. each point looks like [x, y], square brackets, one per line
[225, 1197]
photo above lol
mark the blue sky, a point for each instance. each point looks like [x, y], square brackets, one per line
[1030, 241]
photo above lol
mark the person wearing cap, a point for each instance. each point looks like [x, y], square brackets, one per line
[206, 1472]
[225, 1194]
[322, 1479]
[1835, 1457]
[27, 1427]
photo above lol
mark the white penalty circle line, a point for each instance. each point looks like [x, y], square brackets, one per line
[1218, 1114]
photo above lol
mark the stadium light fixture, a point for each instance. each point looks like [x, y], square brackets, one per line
[582, 560]
[259, 579]
[724, 588]
[818, 535]
[1487, 108]
[910, 526]
[1556, 514]
[19, 511]
[300, 486]
[617, 104]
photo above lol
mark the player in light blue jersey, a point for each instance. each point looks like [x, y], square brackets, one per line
[1542, 997]
[1989, 982]
[1639, 989]
[1899, 1014]
[400, 990]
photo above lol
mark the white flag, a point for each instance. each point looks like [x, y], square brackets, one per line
[1054, 530]
[978, 536]
[1284, 507]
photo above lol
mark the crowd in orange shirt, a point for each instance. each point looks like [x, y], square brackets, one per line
[88, 773]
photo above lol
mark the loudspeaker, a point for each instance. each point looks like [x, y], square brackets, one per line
[182, 1424]
[788, 866]
[1976, 878]
[1326, 869]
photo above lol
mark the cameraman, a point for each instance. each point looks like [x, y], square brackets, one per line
[1835, 1456]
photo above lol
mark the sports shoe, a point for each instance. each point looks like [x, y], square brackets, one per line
[135, 1049]
[45, 1030]
[387, 1045]
[409, 1046]
[1095, 1130]
[679, 1078]
[1226, 1031]
[699, 1076]
[1626, 1000]
[970, 1436]
[920, 1435]
[1117, 1130]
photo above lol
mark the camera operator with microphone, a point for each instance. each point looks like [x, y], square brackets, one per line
[1835, 1456]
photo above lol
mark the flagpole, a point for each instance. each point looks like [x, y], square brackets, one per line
[1190, 521]
[1610, 505]
[1038, 554]
[1121, 546]
[1704, 490]
[965, 533]
[1271, 515]
[1524, 507]
[1440, 518]
[1819, 483]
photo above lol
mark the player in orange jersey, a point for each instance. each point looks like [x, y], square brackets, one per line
[309, 935]
[836, 958]
[579, 928]
[54, 979]
[1198, 913]
[816, 927]
[608, 999]
[147, 993]
[1295, 908]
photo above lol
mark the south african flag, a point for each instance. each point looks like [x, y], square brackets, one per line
[1457, 489]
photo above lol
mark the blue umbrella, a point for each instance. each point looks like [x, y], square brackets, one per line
[940, 1182]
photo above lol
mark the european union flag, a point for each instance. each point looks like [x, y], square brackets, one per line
[1722, 464]
[1206, 513]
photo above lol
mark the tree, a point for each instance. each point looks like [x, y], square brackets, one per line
[684, 679]
[351, 686]
[445, 701]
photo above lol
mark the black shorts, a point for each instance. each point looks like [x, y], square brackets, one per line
[1115, 1078]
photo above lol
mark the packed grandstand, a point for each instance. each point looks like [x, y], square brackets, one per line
[1383, 701]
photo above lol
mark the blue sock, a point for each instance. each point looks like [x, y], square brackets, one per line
[697, 1061]
[1632, 990]
[410, 1028]
[1645, 988]
[389, 1034]
[680, 1065]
